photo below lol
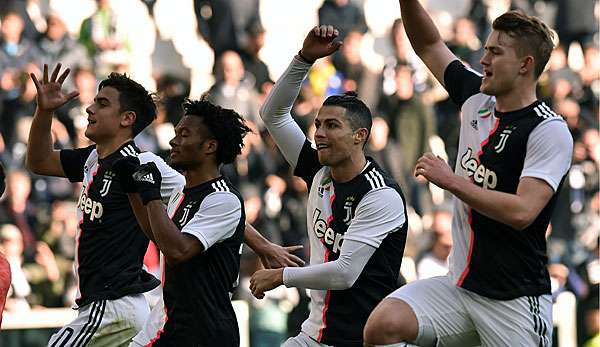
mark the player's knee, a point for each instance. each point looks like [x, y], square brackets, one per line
[392, 321]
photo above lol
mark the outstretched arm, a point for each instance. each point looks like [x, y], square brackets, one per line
[42, 159]
[425, 38]
[379, 213]
[272, 256]
[275, 112]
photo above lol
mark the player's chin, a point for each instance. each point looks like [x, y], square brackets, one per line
[323, 158]
[177, 164]
[90, 134]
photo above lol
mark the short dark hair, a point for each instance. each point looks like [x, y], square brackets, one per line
[132, 97]
[225, 125]
[357, 112]
[533, 36]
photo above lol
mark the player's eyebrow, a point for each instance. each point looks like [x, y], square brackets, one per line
[101, 99]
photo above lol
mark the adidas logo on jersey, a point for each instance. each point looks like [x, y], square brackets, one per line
[146, 178]
[474, 124]
[482, 175]
[327, 235]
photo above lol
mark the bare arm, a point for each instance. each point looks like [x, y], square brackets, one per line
[425, 38]
[42, 159]
[176, 246]
[141, 215]
[516, 210]
[271, 255]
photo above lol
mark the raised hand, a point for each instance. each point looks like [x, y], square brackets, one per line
[49, 91]
[320, 42]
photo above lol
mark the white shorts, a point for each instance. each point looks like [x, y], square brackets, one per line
[152, 326]
[104, 323]
[451, 316]
[302, 340]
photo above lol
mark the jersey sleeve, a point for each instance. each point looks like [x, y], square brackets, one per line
[549, 152]
[379, 213]
[216, 219]
[73, 162]
[172, 181]
[308, 163]
[275, 112]
[461, 82]
[337, 275]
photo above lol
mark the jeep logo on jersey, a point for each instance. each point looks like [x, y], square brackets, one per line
[325, 233]
[487, 178]
[90, 207]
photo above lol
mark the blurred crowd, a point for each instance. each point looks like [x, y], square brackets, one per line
[223, 54]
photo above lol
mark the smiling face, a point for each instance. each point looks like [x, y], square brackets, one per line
[334, 137]
[192, 144]
[105, 119]
[502, 67]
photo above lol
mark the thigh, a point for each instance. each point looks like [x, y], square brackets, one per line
[124, 318]
[81, 329]
[441, 316]
[525, 321]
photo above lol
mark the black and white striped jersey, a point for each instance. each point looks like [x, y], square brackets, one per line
[110, 244]
[337, 317]
[495, 151]
[197, 293]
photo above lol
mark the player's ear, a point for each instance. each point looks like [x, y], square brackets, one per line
[360, 135]
[527, 64]
[211, 146]
[128, 119]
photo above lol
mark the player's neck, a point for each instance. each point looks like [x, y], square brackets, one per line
[517, 99]
[348, 169]
[201, 174]
[108, 147]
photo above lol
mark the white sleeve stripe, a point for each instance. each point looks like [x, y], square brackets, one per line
[544, 106]
[220, 186]
[538, 112]
[380, 177]
[542, 110]
[375, 179]
[128, 151]
[224, 184]
[370, 181]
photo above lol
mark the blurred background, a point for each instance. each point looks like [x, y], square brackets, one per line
[235, 50]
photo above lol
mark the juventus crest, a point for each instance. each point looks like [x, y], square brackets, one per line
[503, 137]
[186, 213]
[106, 182]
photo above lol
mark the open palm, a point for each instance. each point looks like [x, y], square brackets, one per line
[49, 91]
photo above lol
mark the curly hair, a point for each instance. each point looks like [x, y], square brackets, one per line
[133, 97]
[225, 125]
[357, 112]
